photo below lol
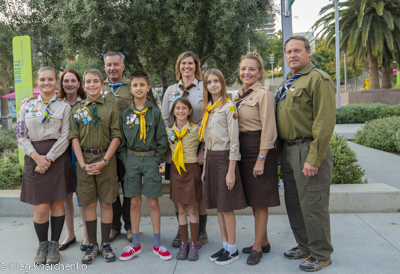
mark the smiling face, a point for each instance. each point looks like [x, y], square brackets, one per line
[249, 72]
[47, 82]
[139, 87]
[214, 86]
[114, 68]
[93, 85]
[181, 112]
[297, 57]
[70, 83]
[188, 67]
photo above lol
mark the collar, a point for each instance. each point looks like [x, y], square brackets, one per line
[78, 99]
[305, 70]
[187, 125]
[256, 86]
[195, 81]
[99, 100]
[146, 105]
[51, 99]
[124, 80]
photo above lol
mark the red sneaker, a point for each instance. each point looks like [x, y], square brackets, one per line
[130, 252]
[162, 252]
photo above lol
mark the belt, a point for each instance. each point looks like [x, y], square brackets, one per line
[250, 133]
[95, 150]
[302, 140]
[141, 154]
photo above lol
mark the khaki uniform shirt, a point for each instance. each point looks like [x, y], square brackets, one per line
[123, 96]
[258, 113]
[107, 124]
[195, 97]
[308, 110]
[190, 143]
[156, 136]
[77, 101]
[222, 130]
[29, 127]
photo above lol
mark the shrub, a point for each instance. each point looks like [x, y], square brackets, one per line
[397, 140]
[380, 134]
[7, 140]
[360, 113]
[10, 172]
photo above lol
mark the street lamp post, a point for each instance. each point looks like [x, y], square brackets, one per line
[271, 59]
[336, 3]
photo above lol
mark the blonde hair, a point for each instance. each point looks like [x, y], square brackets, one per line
[197, 62]
[44, 69]
[94, 72]
[206, 93]
[171, 113]
[255, 56]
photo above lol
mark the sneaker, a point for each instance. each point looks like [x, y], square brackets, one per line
[113, 234]
[183, 252]
[129, 235]
[92, 251]
[53, 252]
[41, 253]
[193, 254]
[107, 252]
[162, 252]
[296, 253]
[227, 258]
[130, 252]
[202, 239]
[176, 242]
[216, 255]
[312, 264]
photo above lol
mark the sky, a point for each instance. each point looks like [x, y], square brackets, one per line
[304, 14]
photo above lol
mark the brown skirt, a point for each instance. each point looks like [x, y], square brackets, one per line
[186, 188]
[261, 191]
[216, 193]
[52, 185]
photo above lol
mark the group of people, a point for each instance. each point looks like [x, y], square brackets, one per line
[220, 153]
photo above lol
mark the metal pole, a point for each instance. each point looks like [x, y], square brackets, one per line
[272, 66]
[248, 39]
[336, 3]
[286, 30]
[345, 72]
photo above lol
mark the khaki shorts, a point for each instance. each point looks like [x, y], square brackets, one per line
[103, 186]
[138, 169]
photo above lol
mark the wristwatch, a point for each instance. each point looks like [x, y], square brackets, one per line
[105, 160]
[261, 158]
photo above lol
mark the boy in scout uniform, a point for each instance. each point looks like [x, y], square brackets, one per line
[305, 114]
[144, 143]
[95, 135]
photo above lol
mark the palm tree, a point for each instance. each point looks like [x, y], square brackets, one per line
[369, 31]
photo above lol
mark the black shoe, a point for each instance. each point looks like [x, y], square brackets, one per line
[265, 249]
[216, 255]
[227, 258]
[65, 246]
[83, 247]
[254, 257]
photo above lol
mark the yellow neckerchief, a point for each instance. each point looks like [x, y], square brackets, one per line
[178, 153]
[142, 123]
[205, 118]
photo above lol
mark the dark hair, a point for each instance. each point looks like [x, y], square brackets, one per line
[81, 91]
[206, 93]
[300, 38]
[95, 72]
[197, 62]
[171, 113]
[114, 53]
[139, 74]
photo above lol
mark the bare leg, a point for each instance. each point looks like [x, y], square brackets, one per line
[182, 211]
[106, 213]
[85, 233]
[69, 218]
[260, 226]
[136, 205]
[230, 225]
[193, 213]
[41, 213]
[155, 214]
[222, 227]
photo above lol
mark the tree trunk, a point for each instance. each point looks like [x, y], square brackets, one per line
[386, 77]
[373, 70]
[4, 101]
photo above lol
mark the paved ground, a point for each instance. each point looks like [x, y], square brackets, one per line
[364, 243]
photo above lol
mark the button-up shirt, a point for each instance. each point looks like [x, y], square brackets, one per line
[258, 113]
[29, 127]
[190, 143]
[77, 100]
[107, 124]
[156, 136]
[123, 96]
[195, 97]
[308, 110]
[222, 130]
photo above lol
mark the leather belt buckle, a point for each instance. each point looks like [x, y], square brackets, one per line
[141, 154]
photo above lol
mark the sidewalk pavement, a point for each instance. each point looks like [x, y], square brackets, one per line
[364, 243]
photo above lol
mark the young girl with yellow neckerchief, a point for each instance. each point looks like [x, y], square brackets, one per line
[186, 188]
[223, 186]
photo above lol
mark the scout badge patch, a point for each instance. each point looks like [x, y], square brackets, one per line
[176, 94]
[292, 89]
[172, 137]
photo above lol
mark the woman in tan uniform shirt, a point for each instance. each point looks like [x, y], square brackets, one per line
[257, 134]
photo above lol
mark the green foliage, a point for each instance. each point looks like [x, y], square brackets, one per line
[10, 172]
[381, 134]
[7, 140]
[82, 64]
[360, 113]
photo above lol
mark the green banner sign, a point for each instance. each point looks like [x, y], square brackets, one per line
[22, 75]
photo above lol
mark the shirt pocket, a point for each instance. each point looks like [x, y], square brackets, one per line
[54, 121]
[104, 127]
[294, 98]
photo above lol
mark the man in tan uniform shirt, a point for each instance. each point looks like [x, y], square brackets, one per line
[305, 116]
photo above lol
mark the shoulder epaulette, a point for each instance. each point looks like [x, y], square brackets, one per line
[323, 74]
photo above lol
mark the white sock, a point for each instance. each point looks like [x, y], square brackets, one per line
[225, 245]
[232, 248]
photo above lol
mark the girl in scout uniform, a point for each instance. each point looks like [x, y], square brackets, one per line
[186, 187]
[223, 185]
[42, 134]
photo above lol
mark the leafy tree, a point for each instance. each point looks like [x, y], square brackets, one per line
[369, 30]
